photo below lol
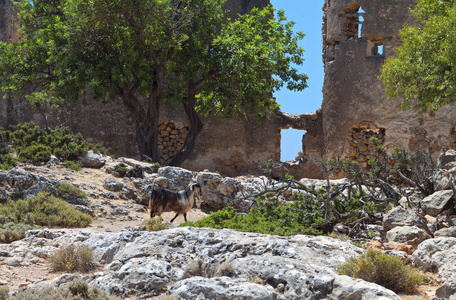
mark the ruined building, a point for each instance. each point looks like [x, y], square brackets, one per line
[357, 38]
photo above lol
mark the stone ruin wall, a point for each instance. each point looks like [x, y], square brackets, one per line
[354, 106]
[231, 147]
[354, 101]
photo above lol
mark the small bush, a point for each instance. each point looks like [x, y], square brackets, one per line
[72, 258]
[200, 268]
[4, 293]
[11, 232]
[122, 169]
[72, 190]
[155, 224]
[46, 210]
[75, 290]
[73, 165]
[385, 270]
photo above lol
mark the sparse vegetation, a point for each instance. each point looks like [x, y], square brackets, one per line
[385, 270]
[73, 165]
[200, 268]
[75, 290]
[46, 210]
[155, 224]
[122, 169]
[72, 190]
[10, 232]
[70, 258]
[4, 293]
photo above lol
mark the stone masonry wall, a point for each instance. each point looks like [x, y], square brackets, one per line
[231, 147]
[357, 38]
[353, 52]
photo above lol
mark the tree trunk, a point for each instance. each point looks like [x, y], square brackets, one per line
[146, 126]
[147, 139]
[195, 128]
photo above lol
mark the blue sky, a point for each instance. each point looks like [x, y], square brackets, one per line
[308, 16]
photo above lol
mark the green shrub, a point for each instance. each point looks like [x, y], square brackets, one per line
[304, 214]
[35, 145]
[155, 224]
[72, 258]
[122, 169]
[385, 270]
[75, 290]
[72, 190]
[7, 162]
[46, 210]
[11, 232]
[73, 165]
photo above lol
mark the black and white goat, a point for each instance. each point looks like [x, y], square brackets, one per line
[178, 201]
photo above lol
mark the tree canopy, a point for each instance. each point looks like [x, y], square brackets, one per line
[423, 75]
[152, 52]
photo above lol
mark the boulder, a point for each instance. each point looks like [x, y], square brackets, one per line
[178, 178]
[144, 166]
[93, 160]
[446, 157]
[441, 179]
[438, 255]
[446, 232]
[400, 216]
[435, 203]
[413, 200]
[402, 234]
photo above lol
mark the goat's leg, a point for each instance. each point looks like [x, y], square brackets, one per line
[185, 217]
[174, 218]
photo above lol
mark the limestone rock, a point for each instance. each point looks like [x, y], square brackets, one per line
[402, 234]
[435, 203]
[178, 178]
[442, 180]
[296, 267]
[20, 183]
[400, 216]
[446, 157]
[437, 255]
[446, 232]
[93, 160]
[223, 288]
[319, 183]
[413, 199]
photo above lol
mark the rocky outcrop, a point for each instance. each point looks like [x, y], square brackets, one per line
[438, 255]
[260, 266]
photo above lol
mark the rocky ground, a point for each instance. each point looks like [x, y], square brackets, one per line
[148, 265]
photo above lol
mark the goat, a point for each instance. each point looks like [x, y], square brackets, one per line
[178, 201]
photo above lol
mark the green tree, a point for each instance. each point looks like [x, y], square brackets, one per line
[423, 75]
[146, 53]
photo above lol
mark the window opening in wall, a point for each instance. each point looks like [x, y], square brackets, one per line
[361, 12]
[290, 143]
[353, 19]
[375, 49]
